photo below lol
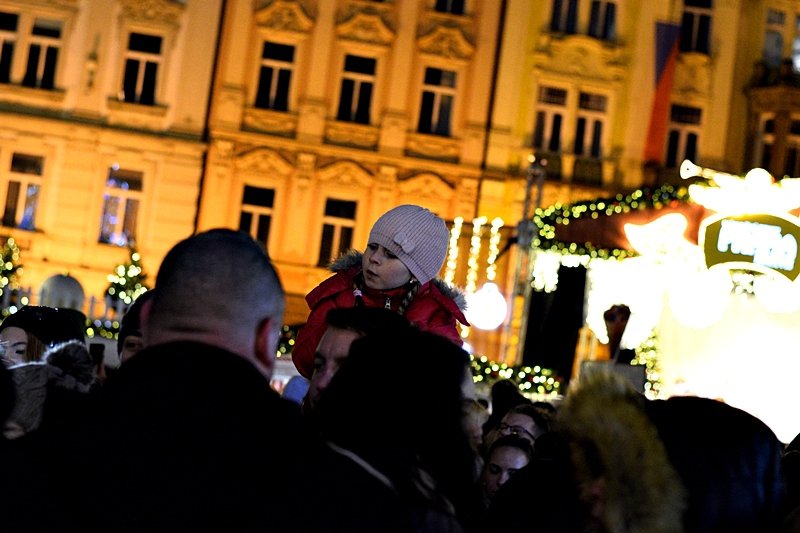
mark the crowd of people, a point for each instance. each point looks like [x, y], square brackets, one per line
[187, 435]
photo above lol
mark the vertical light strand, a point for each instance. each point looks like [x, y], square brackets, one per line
[474, 252]
[494, 249]
[452, 251]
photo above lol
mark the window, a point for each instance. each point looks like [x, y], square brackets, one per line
[603, 20]
[683, 134]
[8, 37]
[589, 126]
[565, 16]
[22, 194]
[45, 43]
[549, 119]
[773, 38]
[796, 43]
[436, 109]
[121, 206]
[142, 59]
[455, 7]
[355, 98]
[256, 215]
[791, 164]
[275, 76]
[696, 26]
[337, 230]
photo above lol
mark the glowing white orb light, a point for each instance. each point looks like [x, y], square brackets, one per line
[486, 308]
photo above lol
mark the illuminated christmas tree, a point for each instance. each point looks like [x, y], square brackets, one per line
[126, 283]
[9, 269]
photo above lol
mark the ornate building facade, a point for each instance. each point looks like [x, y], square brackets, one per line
[301, 121]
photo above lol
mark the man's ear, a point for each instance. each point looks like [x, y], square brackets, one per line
[266, 348]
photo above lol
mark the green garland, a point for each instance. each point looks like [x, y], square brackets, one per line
[532, 380]
[647, 355]
[546, 219]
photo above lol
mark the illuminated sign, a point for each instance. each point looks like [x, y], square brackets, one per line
[753, 242]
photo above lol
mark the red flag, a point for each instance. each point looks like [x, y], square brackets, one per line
[667, 37]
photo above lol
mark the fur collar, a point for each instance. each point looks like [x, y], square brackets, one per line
[352, 259]
[614, 443]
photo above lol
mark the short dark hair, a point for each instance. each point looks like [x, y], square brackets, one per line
[539, 418]
[511, 441]
[221, 276]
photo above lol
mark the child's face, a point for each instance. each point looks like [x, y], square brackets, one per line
[382, 269]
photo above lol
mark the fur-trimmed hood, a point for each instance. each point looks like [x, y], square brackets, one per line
[623, 471]
[352, 259]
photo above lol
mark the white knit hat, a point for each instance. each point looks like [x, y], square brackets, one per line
[416, 236]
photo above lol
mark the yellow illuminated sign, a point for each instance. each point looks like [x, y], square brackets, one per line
[759, 242]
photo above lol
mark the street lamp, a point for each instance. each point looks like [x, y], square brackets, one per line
[536, 174]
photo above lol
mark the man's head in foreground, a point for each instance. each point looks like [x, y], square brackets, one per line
[219, 288]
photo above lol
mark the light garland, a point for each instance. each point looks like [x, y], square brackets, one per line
[529, 380]
[546, 219]
[452, 251]
[474, 252]
[647, 355]
[494, 249]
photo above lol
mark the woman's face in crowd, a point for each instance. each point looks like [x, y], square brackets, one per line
[499, 467]
[15, 343]
[382, 269]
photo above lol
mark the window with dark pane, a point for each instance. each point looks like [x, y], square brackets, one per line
[256, 215]
[140, 75]
[337, 230]
[275, 76]
[355, 96]
[436, 105]
[121, 204]
[8, 37]
[454, 7]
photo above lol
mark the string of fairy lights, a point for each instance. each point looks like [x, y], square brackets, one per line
[547, 219]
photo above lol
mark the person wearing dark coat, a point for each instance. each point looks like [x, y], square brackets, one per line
[189, 435]
[395, 456]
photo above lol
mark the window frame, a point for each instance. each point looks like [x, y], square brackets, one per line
[143, 57]
[256, 212]
[338, 224]
[358, 79]
[125, 196]
[683, 131]
[277, 66]
[439, 91]
[23, 39]
[700, 42]
[24, 181]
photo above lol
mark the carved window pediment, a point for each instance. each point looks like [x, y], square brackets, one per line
[284, 16]
[446, 42]
[346, 173]
[153, 11]
[264, 161]
[581, 55]
[427, 185]
[366, 28]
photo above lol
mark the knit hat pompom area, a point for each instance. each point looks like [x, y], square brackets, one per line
[416, 236]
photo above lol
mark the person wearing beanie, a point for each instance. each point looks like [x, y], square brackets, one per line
[398, 270]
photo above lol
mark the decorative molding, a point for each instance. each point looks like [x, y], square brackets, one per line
[427, 185]
[268, 121]
[71, 5]
[351, 134]
[446, 42]
[263, 161]
[285, 16]
[347, 173]
[158, 11]
[692, 76]
[580, 56]
[367, 28]
[433, 147]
